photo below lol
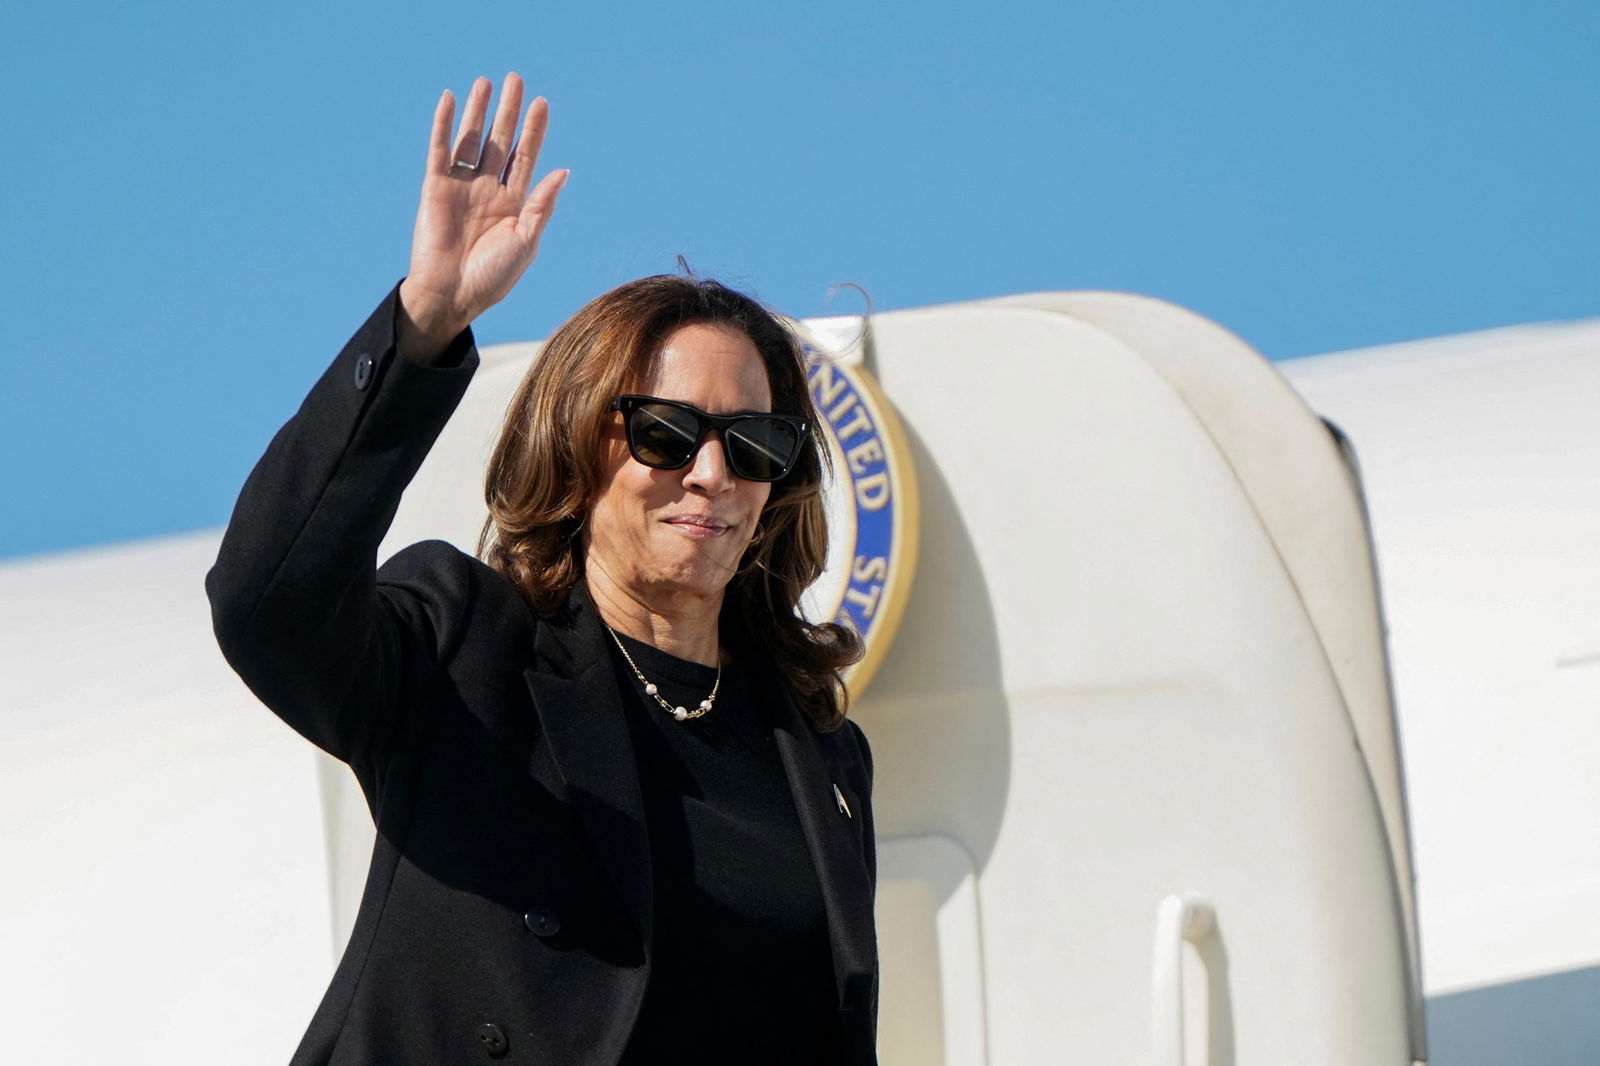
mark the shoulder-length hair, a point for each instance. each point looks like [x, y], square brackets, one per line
[546, 467]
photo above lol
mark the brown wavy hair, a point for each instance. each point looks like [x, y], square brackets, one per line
[546, 467]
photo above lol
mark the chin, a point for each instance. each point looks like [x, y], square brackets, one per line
[699, 576]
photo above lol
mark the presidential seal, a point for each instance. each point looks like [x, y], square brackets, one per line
[871, 500]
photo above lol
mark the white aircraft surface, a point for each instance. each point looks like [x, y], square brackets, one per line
[1158, 782]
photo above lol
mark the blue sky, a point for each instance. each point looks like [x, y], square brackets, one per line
[205, 199]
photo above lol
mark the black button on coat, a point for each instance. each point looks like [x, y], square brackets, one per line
[364, 367]
[543, 921]
[493, 1040]
[491, 746]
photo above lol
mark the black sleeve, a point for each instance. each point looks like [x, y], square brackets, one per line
[296, 603]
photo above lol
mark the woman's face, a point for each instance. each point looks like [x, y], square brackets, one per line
[665, 537]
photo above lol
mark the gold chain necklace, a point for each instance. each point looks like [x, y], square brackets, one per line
[682, 714]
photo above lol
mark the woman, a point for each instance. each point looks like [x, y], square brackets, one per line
[620, 815]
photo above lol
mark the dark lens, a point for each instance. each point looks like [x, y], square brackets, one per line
[761, 449]
[662, 435]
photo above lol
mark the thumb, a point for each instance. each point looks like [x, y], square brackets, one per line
[541, 203]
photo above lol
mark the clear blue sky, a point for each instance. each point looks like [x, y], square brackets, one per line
[203, 200]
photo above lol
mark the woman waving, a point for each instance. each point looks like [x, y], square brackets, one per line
[621, 815]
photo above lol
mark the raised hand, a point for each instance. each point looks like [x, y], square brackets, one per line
[475, 233]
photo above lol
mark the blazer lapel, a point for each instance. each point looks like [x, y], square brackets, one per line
[580, 712]
[846, 892]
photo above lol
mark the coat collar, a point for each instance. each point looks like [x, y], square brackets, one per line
[582, 717]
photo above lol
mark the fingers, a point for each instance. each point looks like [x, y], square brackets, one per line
[469, 142]
[439, 138]
[496, 148]
[526, 156]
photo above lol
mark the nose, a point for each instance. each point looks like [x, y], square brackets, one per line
[708, 471]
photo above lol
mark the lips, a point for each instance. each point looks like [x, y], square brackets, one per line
[699, 525]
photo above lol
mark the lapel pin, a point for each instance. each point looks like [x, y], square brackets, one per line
[844, 808]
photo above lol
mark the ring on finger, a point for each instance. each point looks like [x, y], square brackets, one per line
[464, 163]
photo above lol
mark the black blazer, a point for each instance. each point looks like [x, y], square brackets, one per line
[507, 912]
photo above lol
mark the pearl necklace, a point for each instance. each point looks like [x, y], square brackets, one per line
[680, 713]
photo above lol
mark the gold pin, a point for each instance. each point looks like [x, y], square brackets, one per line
[844, 808]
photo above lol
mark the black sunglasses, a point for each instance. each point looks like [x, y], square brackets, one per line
[666, 434]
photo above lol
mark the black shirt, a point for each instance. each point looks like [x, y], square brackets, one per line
[740, 969]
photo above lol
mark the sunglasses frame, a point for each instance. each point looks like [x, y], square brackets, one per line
[705, 422]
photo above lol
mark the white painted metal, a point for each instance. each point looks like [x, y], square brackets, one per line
[1180, 921]
[929, 926]
[1481, 457]
[1109, 690]
[1308, 497]
[163, 894]
[1308, 500]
